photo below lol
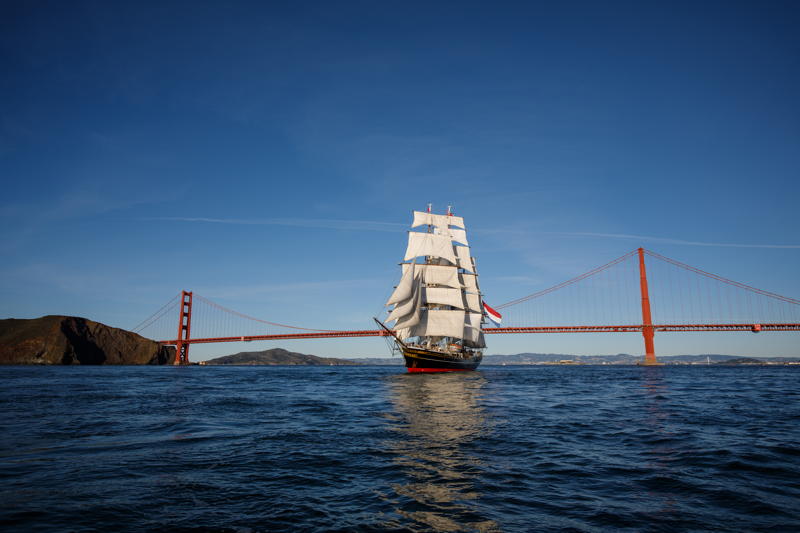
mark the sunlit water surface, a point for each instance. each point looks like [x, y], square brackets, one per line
[377, 449]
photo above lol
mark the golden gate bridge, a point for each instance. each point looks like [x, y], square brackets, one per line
[621, 296]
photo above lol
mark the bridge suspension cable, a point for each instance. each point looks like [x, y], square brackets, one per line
[679, 295]
[723, 280]
[248, 317]
[569, 281]
[171, 304]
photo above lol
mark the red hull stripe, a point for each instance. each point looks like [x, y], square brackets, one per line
[439, 369]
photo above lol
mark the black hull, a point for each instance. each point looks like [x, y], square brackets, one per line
[420, 360]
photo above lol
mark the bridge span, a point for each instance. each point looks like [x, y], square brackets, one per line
[612, 298]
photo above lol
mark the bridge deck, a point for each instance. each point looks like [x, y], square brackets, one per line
[631, 328]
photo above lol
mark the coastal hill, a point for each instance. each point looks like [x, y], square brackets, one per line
[628, 359]
[70, 340]
[276, 356]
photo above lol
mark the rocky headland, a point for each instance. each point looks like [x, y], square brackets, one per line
[70, 340]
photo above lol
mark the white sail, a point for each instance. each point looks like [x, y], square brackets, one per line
[402, 309]
[473, 320]
[458, 235]
[473, 336]
[436, 274]
[440, 323]
[410, 322]
[442, 222]
[443, 296]
[463, 258]
[421, 218]
[429, 244]
[403, 289]
[469, 282]
[473, 302]
[413, 318]
[456, 221]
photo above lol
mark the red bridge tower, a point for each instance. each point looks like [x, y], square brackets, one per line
[184, 329]
[647, 320]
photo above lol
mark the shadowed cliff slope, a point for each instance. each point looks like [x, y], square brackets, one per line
[69, 340]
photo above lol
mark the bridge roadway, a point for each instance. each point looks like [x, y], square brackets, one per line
[755, 328]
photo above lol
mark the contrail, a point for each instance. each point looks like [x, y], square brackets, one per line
[369, 225]
[372, 225]
[675, 241]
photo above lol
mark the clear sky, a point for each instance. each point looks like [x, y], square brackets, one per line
[268, 155]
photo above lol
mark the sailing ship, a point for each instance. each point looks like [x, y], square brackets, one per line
[437, 306]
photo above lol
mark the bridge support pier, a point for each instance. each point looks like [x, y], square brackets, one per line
[184, 329]
[647, 320]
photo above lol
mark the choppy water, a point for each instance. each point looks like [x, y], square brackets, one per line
[376, 449]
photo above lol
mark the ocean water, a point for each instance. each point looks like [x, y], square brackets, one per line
[248, 449]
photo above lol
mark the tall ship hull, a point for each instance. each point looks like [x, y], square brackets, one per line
[437, 306]
[421, 360]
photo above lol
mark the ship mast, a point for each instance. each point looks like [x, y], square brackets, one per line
[428, 261]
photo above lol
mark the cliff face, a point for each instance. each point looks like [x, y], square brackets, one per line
[68, 340]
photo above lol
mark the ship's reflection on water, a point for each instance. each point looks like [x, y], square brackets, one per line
[436, 420]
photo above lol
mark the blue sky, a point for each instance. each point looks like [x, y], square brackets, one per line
[268, 156]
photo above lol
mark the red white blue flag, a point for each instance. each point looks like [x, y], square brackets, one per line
[493, 315]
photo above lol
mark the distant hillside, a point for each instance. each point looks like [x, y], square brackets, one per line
[618, 359]
[744, 361]
[622, 359]
[542, 358]
[539, 358]
[276, 356]
[379, 360]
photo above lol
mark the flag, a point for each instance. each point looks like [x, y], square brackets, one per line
[493, 315]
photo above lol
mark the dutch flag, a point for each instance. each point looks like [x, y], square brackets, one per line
[493, 315]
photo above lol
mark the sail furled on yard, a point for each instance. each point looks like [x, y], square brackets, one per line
[438, 298]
